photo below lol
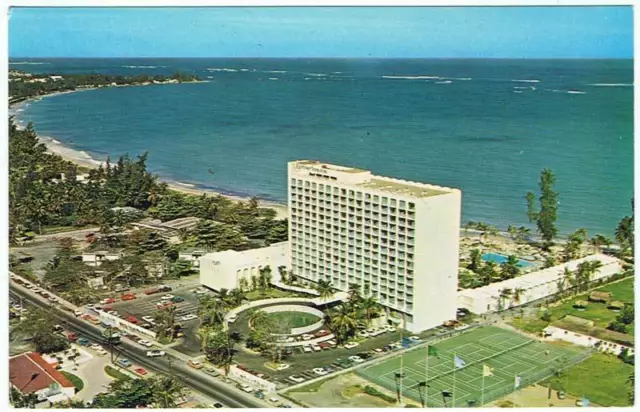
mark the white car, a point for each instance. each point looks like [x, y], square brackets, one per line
[246, 388]
[316, 348]
[101, 352]
[356, 359]
[147, 319]
[274, 400]
[415, 338]
[296, 379]
[389, 328]
[90, 306]
[95, 346]
[307, 349]
[167, 297]
[306, 336]
[351, 345]
[78, 312]
[188, 317]
[156, 353]
[283, 366]
[363, 333]
[145, 343]
[320, 371]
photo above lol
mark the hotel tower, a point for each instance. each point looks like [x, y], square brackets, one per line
[396, 240]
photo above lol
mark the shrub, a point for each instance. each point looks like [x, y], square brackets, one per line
[617, 327]
[370, 390]
[546, 316]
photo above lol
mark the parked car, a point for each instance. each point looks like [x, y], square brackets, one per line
[145, 343]
[156, 353]
[107, 301]
[245, 387]
[307, 349]
[283, 366]
[320, 371]
[363, 333]
[274, 400]
[140, 371]
[188, 317]
[259, 395]
[151, 291]
[101, 352]
[78, 312]
[177, 299]
[212, 372]
[415, 338]
[296, 378]
[133, 319]
[351, 345]
[307, 336]
[128, 296]
[148, 319]
[356, 359]
[218, 405]
[84, 342]
[124, 362]
[195, 364]
[316, 348]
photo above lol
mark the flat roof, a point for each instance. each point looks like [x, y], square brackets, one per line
[329, 166]
[401, 188]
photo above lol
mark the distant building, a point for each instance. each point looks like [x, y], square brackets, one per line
[31, 373]
[192, 256]
[56, 78]
[534, 286]
[225, 269]
[125, 209]
[96, 258]
[396, 240]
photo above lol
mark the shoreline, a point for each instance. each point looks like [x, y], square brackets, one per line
[84, 159]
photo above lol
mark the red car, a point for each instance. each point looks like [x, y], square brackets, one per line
[140, 371]
[128, 296]
[151, 291]
[108, 300]
[72, 337]
[133, 320]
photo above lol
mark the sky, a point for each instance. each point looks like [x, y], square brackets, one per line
[390, 32]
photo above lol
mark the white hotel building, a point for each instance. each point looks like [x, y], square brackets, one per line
[397, 240]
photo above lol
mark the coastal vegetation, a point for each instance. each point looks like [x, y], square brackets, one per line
[24, 85]
[546, 214]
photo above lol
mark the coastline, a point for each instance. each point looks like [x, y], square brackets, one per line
[84, 159]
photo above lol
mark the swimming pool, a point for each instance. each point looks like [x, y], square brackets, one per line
[498, 258]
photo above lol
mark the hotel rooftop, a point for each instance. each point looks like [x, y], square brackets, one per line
[366, 180]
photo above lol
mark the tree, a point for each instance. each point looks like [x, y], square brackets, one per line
[513, 232]
[476, 261]
[18, 400]
[509, 268]
[165, 320]
[370, 307]
[354, 294]
[617, 327]
[624, 234]
[325, 289]
[523, 234]
[627, 315]
[573, 245]
[39, 327]
[220, 348]
[488, 273]
[236, 297]
[598, 241]
[547, 213]
[343, 322]
[517, 294]
[211, 310]
[265, 277]
[505, 294]
[282, 270]
[166, 391]
[631, 380]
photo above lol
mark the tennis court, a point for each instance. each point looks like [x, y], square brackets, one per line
[508, 353]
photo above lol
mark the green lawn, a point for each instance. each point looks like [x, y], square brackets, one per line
[294, 319]
[510, 354]
[598, 312]
[77, 382]
[601, 378]
[114, 373]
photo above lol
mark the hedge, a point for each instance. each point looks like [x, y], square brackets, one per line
[77, 382]
[370, 390]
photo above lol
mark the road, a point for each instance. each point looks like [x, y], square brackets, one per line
[228, 395]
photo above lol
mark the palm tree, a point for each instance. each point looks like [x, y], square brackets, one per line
[282, 270]
[325, 289]
[476, 261]
[243, 284]
[165, 320]
[236, 296]
[204, 333]
[221, 348]
[343, 322]
[505, 294]
[211, 310]
[523, 233]
[483, 228]
[509, 268]
[265, 277]
[370, 307]
[354, 293]
[512, 231]
[254, 282]
[166, 391]
[488, 273]
[469, 225]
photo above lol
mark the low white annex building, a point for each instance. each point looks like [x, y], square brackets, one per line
[534, 286]
[225, 269]
[96, 258]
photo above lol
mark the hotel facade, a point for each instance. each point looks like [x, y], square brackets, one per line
[396, 240]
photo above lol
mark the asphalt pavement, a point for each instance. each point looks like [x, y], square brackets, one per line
[228, 395]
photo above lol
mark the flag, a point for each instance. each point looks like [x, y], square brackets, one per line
[517, 382]
[447, 394]
[432, 351]
[487, 371]
[458, 362]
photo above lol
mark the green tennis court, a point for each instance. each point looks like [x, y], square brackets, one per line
[510, 354]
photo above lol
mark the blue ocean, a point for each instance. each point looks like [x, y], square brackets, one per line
[485, 126]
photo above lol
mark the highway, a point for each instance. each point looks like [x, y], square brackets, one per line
[226, 394]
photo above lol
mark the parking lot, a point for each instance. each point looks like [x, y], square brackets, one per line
[145, 306]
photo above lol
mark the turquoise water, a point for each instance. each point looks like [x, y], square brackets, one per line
[485, 126]
[498, 258]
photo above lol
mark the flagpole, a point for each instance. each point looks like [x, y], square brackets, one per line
[426, 378]
[454, 380]
[515, 388]
[404, 326]
[482, 393]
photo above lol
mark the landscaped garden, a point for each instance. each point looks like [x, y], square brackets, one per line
[294, 319]
[603, 379]
[602, 313]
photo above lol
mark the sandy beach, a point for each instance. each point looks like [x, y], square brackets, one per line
[82, 158]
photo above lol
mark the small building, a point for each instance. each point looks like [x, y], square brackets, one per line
[532, 286]
[192, 256]
[31, 373]
[96, 258]
[225, 269]
[126, 209]
[597, 296]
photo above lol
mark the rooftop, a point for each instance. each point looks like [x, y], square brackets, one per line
[30, 373]
[404, 189]
[328, 166]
